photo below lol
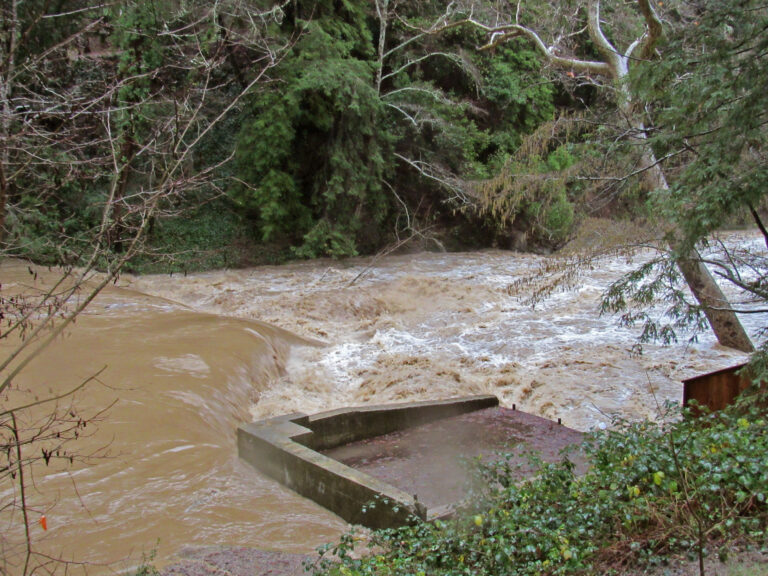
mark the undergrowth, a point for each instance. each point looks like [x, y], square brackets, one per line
[682, 487]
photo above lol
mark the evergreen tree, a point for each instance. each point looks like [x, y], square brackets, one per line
[601, 44]
[313, 151]
[710, 96]
[373, 127]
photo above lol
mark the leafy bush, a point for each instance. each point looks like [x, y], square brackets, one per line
[654, 490]
[530, 194]
[325, 240]
[204, 237]
[558, 220]
[146, 567]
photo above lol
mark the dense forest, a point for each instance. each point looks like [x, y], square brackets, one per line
[332, 128]
[305, 129]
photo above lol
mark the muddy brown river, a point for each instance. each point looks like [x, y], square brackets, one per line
[187, 359]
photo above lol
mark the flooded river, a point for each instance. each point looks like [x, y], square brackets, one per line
[186, 359]
[164, 472]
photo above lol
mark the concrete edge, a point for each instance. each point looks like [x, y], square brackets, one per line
[342, 426]
[285, 448]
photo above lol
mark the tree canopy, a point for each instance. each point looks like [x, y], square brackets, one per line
[709, 96]
[369, 130]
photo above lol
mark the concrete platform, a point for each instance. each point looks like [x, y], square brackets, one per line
[407, 458]
[433, 461]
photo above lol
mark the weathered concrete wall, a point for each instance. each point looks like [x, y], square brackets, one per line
[284, 449]
[336, 427]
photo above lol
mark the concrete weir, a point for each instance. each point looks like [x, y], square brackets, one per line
[353, 461]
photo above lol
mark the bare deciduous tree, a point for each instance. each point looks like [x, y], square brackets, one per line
[140, 130]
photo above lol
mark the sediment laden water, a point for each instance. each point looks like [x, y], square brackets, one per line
[429, 326]
[211, 350]
[164, 472]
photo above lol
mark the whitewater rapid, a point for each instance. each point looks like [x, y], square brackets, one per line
[437, 325]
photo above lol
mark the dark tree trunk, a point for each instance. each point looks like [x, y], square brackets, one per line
[128, 149]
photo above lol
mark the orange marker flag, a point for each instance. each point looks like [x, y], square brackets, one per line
[43, 522]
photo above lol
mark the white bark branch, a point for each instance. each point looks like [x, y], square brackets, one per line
[500, 34]
[647, 42]
[429, 171]
[608, 50]
[452, 57]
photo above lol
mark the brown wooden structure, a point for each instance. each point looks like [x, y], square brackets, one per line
[716, 390]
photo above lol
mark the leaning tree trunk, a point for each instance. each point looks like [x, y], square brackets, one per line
[718, 311]
[615, 66]
[723, 320]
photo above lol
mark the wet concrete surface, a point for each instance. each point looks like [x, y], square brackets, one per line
[433, 461]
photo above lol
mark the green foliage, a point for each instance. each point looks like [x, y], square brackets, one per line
[329, 161]
[558, 219]
[136, 34]
[707, 96]
[318, 155]
[654, 491]
[656, 283]
[530, 194]
[312, 154]
[712, 116]
[55, 224]
[520, 99]
[264, 158]
[560, 159]
[209, 236]
[325, 240]
[147, 568]
[44, 33]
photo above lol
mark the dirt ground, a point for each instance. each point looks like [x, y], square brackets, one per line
[743, 563]
[220, 561]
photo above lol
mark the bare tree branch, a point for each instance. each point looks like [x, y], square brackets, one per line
[501, 34]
